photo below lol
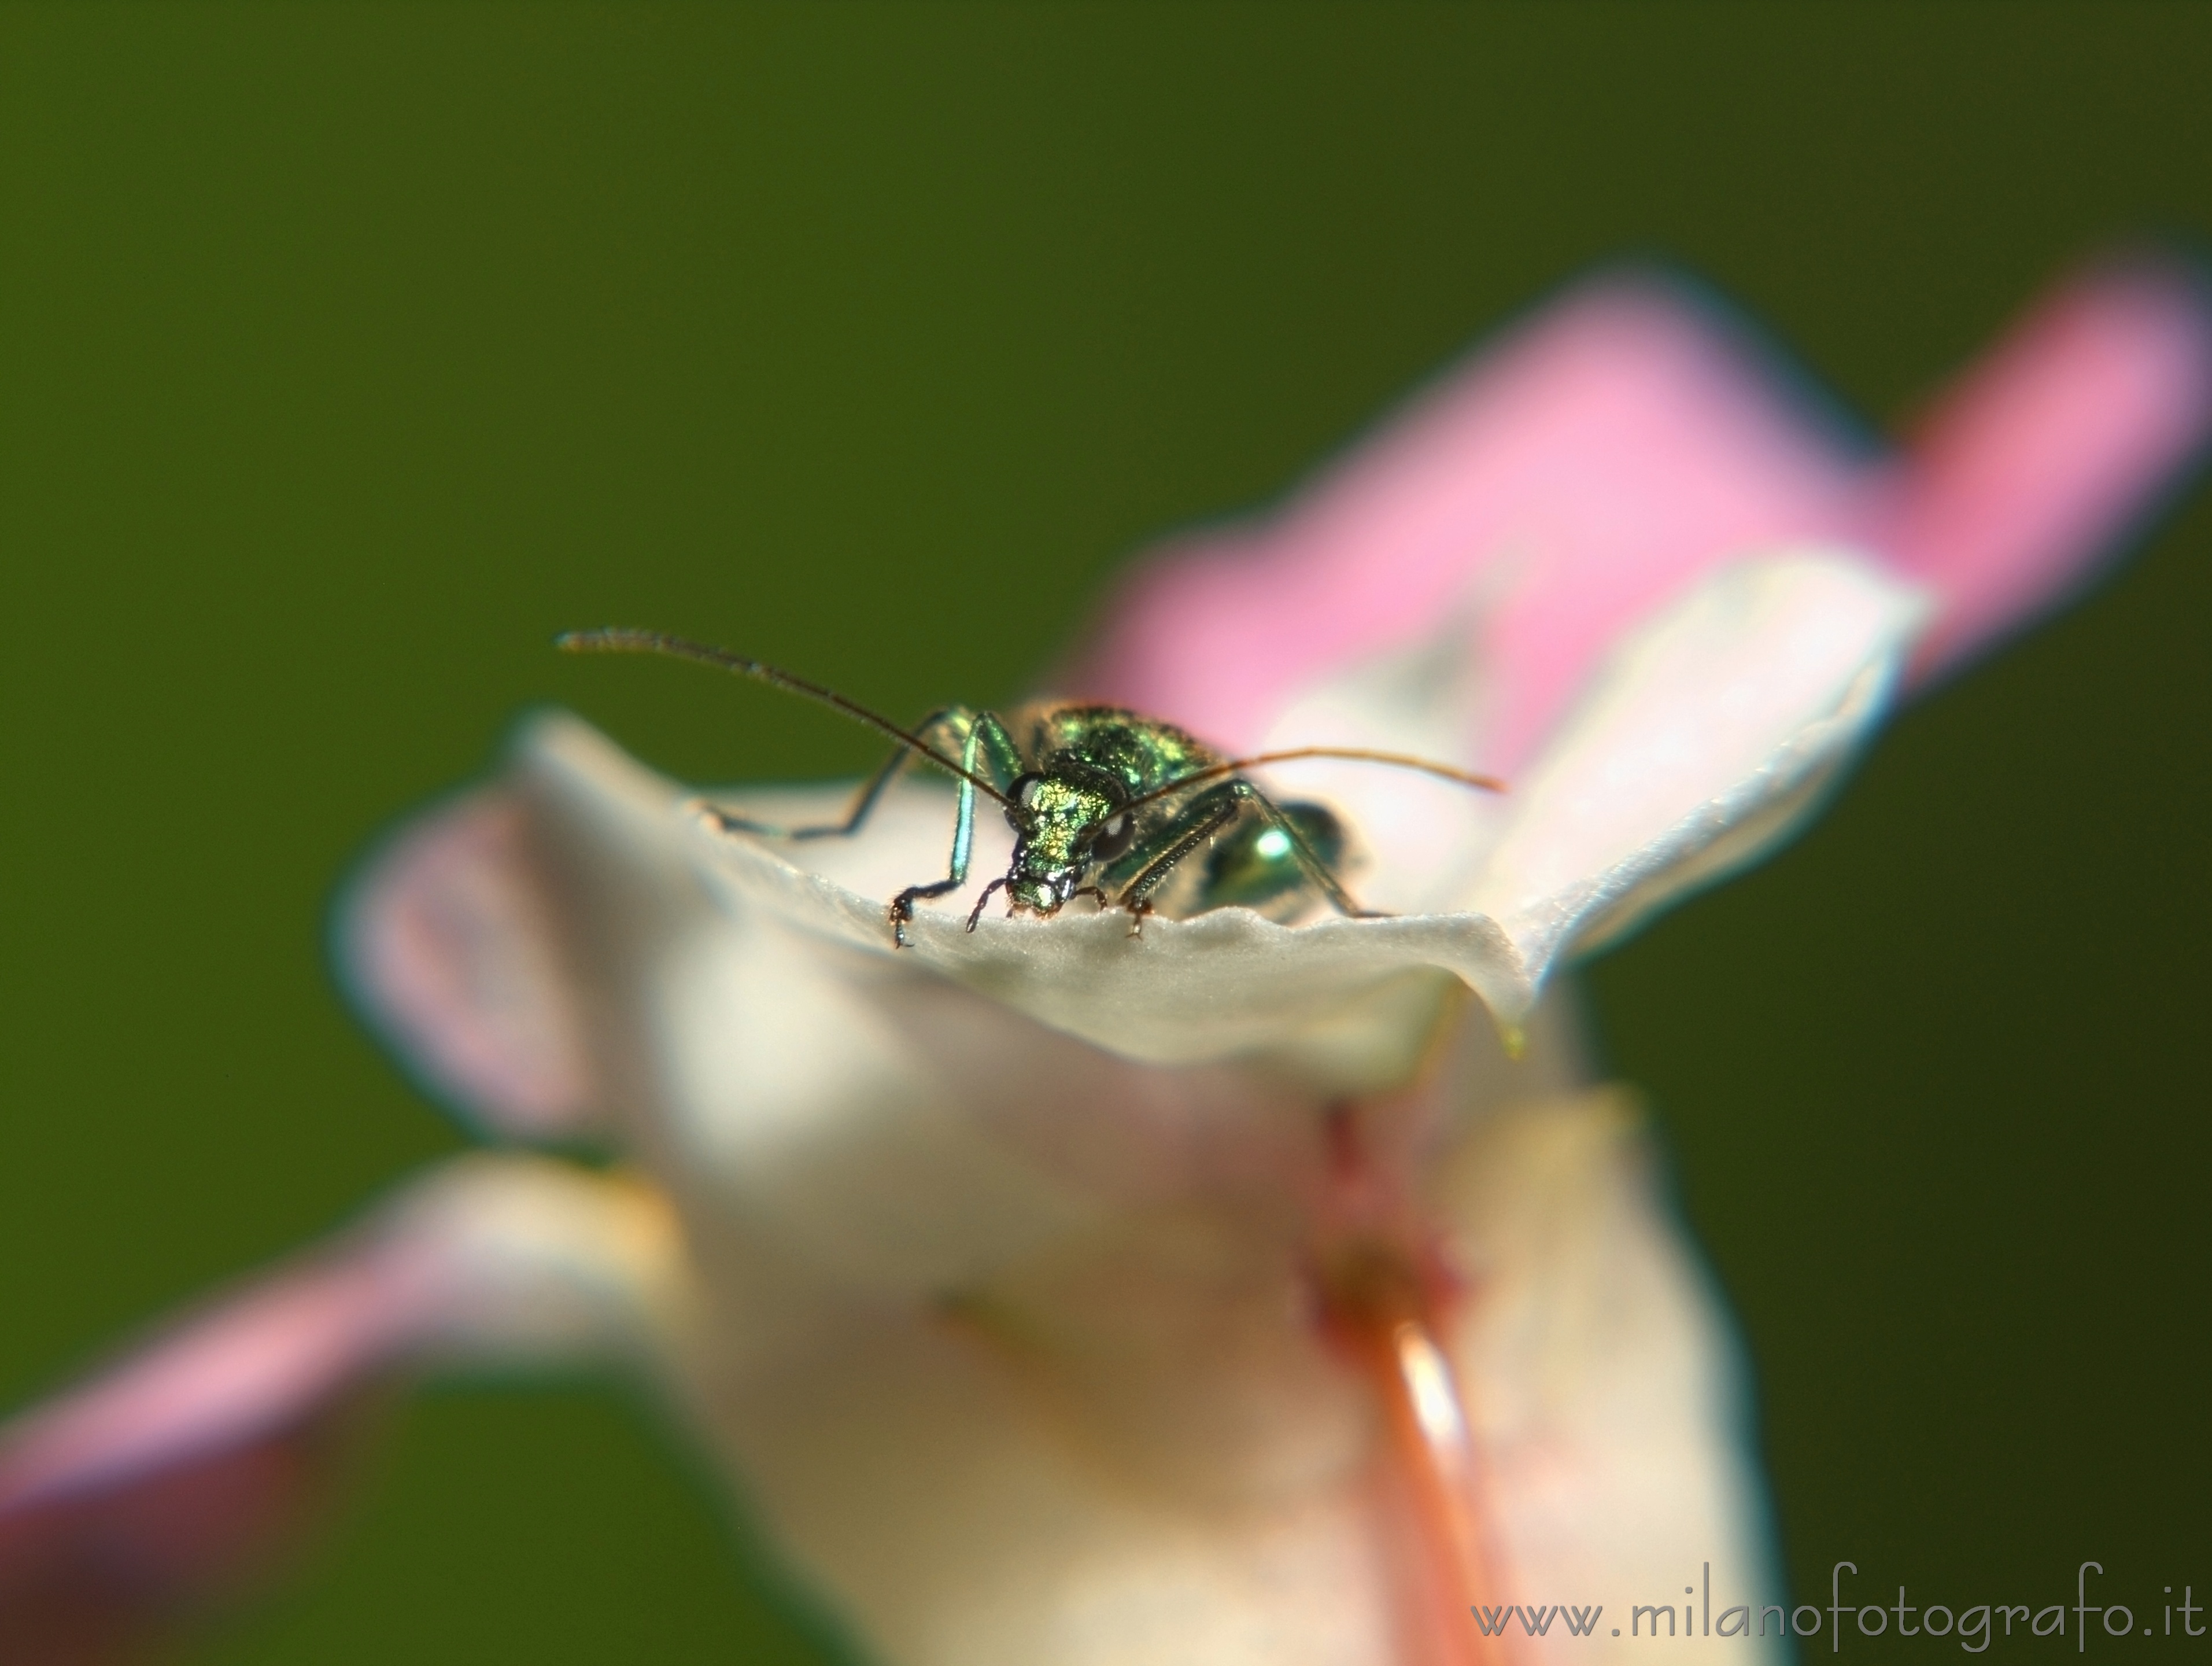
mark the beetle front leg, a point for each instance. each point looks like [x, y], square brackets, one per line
[1205, 816]
[984, 740]
[901, 911]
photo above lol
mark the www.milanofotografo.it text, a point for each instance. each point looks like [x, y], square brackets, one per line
[1974, 1625]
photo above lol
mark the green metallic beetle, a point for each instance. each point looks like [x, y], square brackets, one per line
[1104, 803]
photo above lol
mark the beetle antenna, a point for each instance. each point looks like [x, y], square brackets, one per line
[679, 647]
[1360, 754]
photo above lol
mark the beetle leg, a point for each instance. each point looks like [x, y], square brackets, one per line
[983, 739]
[976, 912]
[1208, 815]
[1309, 863]
[999, 751]
[901, 911]
[955, 718]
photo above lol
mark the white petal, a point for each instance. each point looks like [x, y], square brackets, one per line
[1608, 1393]
[1709, 735]
[840, 1109]
[1136, 1446]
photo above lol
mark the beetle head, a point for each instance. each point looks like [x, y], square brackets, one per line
[1062, 825]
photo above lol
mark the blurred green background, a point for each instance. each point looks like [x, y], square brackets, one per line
[346, 354]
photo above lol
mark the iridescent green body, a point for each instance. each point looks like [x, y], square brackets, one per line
[1254, 865]
[1092, 794]
[1085, 763]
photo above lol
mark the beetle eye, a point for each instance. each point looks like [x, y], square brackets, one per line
[1025, 792]
[1113, 836]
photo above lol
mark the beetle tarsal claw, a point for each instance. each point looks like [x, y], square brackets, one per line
[976, 912]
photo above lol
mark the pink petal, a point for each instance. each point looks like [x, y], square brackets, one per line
[185, 1470]
[2048, 450]
[1579, 473]
[1565, 483]
[182, 1475]
[83, 1579]
[449, 941]
[251, 1366]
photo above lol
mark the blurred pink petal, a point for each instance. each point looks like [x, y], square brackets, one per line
[450, 948]
[251, 1367]
[87, 1571]
[1626, 439]
[186, 1470]
[2066, 434]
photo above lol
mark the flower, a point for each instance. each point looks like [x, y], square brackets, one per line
[1239, 1291]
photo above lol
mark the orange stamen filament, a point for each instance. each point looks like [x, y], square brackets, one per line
[1430, 1457]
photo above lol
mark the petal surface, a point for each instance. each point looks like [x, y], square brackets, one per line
[1700, 744]
[1609, 1389]
[1135, 1446]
